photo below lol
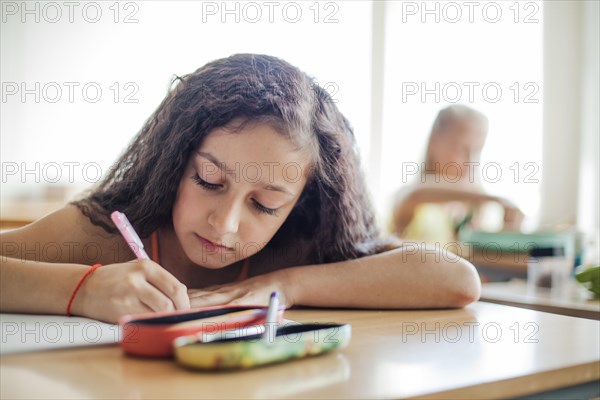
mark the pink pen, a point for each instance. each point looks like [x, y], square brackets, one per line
[129, 234]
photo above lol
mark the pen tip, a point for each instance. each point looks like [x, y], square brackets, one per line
[274, 294]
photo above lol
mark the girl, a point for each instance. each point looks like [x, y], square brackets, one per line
[448, 190]
[245, 180]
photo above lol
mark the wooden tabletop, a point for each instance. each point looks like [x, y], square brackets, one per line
[482, 351]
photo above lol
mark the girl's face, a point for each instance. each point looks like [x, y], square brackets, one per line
[237, 190]
[459, 144]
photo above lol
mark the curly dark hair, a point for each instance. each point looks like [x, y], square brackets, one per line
[333, 214]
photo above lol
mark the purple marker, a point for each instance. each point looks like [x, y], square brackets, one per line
[271, 319]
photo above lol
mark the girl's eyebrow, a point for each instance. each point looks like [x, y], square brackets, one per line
[277, 188]
[212, 159]
[221, 165]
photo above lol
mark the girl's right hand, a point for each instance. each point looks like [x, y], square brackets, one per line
[137, 286]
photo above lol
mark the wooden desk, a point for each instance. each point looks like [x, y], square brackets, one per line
[573, 301]
[482, 351]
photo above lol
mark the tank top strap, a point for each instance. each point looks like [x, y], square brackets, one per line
[244, 272]
[154, 243]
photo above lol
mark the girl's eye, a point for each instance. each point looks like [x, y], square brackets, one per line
[212, 186]
[206, 185]
[263, 209]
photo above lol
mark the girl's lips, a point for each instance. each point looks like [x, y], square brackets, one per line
[211, 246]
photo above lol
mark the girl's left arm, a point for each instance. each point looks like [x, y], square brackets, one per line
[406, 277]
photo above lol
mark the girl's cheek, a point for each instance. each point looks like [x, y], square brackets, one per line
[260, 234]
[195, 206]
[185, 202]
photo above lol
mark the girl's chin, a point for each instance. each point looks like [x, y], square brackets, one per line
[214, 261]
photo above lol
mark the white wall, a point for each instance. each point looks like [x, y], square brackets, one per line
[588, 218]
[562, 111]
[571, 129]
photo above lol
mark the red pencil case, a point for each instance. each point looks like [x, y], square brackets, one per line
[152, 334]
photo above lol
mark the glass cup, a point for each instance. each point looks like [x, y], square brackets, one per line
[548, 271]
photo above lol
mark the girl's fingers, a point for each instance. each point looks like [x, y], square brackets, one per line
[141, 308]
[197, 293]
[210, 299]
[154, 299]
[209, 289]
[167, 284]
[212, 288]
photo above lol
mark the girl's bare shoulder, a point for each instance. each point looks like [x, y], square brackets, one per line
[65, 236]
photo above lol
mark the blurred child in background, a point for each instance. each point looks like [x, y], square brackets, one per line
[447, 194]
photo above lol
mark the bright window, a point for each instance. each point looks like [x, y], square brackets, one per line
[486, 55]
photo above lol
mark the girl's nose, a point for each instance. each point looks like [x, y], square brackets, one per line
[225, 218]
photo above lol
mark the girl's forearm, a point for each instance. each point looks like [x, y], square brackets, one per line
[400, 278]
[36, 287]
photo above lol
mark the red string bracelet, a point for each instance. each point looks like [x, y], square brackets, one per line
[83, 278]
